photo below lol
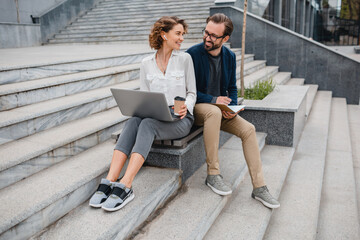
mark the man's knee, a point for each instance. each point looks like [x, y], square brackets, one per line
[213, 112]
[250, 129]
[204, 112]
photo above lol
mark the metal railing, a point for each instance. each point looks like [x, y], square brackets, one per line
[340, 32]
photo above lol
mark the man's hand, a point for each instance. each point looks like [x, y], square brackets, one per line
[223, 100]
[229, 115]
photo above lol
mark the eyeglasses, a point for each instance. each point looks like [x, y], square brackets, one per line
[212, 36]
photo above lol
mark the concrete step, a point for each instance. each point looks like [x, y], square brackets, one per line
[247, 57]
[139, 2]
[244, 218]
[148, 20]
[54, 192]
[296, 81]
[354, 124]
[126, 39]
[105, 29]
[120, 18]
[149, 4]
[133, 42]
[310, 97]
[159, 11]
[251, 67]
[338, 220]
[50, 66]
[281, 78]
[25, 93]
[263, 74]
[300, 197]
[44, 149]
[135, 22]
[191, 213]
[125, 35]
[148, 8]
[24, 121]
[125, 14]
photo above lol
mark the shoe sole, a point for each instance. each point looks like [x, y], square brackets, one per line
[266, 204]
[95, 205]
[120, 206]
[218, 191]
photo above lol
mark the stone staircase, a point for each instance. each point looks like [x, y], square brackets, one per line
[56, 121]
[129, 21]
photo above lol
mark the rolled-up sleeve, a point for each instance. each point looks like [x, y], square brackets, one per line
[190, 83]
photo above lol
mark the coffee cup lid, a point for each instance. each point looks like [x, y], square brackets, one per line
[178, 98]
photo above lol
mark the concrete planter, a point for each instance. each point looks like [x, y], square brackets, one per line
[357, 49]
[281, 114]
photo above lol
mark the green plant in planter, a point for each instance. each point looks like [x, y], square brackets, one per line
[259, 90]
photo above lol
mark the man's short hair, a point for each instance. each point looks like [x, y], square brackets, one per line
[222, 18]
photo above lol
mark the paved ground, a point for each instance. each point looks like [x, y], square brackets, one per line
[347, 50]
[25, 57]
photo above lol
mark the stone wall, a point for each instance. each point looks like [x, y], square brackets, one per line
[26, 8]
[60, 16]
[19, 35]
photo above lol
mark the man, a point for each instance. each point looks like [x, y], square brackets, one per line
[215, 72]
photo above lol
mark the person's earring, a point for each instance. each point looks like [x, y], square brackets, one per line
[165, 37]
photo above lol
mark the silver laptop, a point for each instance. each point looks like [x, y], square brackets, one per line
[143, 104]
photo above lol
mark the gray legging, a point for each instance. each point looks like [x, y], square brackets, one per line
[139, 134]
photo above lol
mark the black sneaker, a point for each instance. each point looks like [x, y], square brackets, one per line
[101, 194]
[119, 197]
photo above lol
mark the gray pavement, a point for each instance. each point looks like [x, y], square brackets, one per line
[51, 54]
[347, 50]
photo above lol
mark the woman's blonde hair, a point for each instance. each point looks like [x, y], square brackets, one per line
[163, 24]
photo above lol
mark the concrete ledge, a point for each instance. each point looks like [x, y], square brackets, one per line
[187, 159]
[357, 49]
[19, 35]
[225, 2]
[281, 114]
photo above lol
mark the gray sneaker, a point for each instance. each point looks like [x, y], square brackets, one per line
[119, 197]
[216, 183]
[262, 194]
[101, 194]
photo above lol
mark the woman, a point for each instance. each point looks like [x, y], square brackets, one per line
[168, 71]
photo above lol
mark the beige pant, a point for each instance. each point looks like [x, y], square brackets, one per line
[210, 117]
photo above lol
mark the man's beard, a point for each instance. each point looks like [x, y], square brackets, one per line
[212, 47]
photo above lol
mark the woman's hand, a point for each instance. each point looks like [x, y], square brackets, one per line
[183, 111]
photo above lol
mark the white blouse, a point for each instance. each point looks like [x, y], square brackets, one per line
[179, 79]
